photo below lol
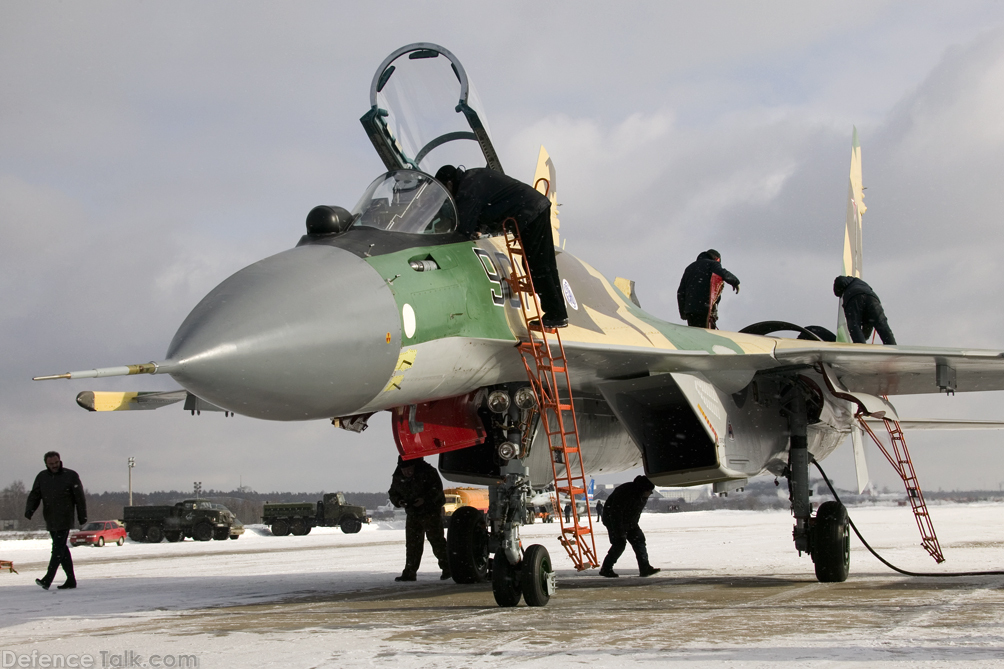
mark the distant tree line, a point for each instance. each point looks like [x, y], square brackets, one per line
[246, 504]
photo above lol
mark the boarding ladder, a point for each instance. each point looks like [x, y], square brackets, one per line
[899, 458]
[549, 379]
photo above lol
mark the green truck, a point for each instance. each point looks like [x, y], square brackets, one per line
[299, 517]
[195, 518]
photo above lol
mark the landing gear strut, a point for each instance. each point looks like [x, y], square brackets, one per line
[826, 537]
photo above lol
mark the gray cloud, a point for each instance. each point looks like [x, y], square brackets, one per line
[149, 151]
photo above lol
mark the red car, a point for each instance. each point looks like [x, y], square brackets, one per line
[99, 533]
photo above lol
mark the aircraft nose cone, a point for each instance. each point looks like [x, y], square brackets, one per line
[312, 332]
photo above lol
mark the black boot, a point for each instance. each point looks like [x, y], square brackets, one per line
[608, 569]
[69, 585]
[406, 575]
[42, 584]
[647, 570]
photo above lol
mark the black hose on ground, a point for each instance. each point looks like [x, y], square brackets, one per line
[886, 562]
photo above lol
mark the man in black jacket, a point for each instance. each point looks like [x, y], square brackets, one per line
[416, 486]
[59, 490]
[862, 310]
[621, 514]
[694, 294]
[485, 198]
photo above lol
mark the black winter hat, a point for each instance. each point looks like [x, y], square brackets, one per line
[644, 482]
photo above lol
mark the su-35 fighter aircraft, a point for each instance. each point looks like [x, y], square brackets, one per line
[389, 308]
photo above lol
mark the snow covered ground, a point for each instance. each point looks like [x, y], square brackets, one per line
[732, 592]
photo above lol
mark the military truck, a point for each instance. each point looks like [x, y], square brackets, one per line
[298, 518]
[195, 518]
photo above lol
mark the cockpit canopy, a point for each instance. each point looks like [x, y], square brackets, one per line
[424, 112]
[406, 201]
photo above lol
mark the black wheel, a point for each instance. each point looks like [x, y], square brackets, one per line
[221, 533]
[831, 543]
[202, 532]
[235, 537]
[137, 533]
[351, 525]
[101, 542]
[174, 536]
[505, 581]
[535, 574]
[298, 527]
[154, 534]
[280, 527]
[467, 545]
[121, 541]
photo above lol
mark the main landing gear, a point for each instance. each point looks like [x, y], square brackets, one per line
[825, 537]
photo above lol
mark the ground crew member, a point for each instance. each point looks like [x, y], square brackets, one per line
[862, 310]
[621, 514]
[59, 490]
[599, 509]
[416, 486]
[697, 305]
[485, 198]
[568, 512]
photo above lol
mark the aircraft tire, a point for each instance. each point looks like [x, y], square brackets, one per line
[534, 572]
[506, 581]
[831, 543]
[280, 527]
[467, 545]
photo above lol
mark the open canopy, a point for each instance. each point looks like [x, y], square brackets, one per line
[424, 112]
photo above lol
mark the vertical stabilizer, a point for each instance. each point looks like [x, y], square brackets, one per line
[545, 180]
[853, 247]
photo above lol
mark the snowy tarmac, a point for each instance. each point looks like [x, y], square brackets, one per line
[733, 592]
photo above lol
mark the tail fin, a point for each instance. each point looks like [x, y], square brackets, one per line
[853, 245]
[545, 180]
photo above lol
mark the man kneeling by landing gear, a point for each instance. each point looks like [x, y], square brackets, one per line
[416, 486]
[621, 514]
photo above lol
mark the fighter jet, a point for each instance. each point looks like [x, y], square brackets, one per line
[385, 307]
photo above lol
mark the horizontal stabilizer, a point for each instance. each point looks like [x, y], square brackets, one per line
[942, 424]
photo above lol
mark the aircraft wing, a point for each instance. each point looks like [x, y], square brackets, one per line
[911, 424]
[873, 369]
[899, 370]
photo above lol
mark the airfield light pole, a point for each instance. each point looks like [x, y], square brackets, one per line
[132, 463]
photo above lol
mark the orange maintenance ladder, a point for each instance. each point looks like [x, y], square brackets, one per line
[553, 389]
[900, 460]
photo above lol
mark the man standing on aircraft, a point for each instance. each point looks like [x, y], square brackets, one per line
[59, 490]
[700, 289]
[621, 514]
[416, 486]
[485, 198]
[862, 310]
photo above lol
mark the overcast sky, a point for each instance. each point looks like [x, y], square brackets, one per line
[149, 150]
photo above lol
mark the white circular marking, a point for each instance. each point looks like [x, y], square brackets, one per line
[408, 316]
[569, 295]
[717, 348]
